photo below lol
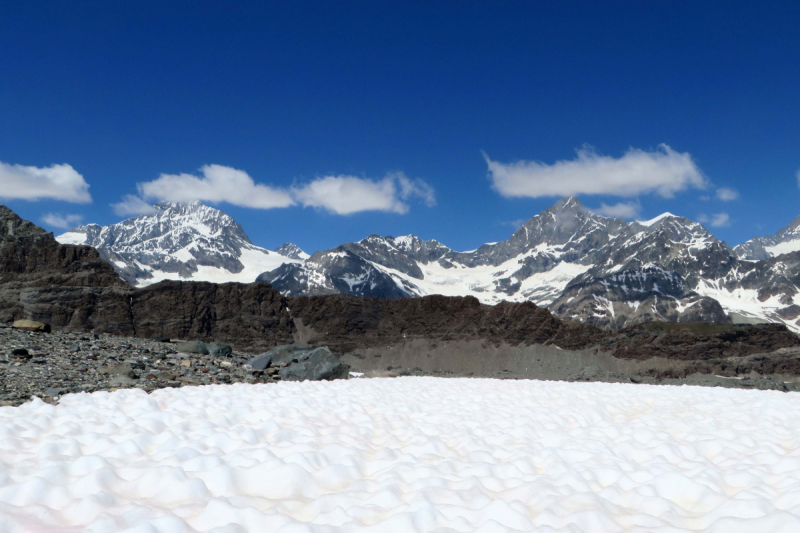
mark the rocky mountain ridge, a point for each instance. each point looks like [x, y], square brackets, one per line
[180, 242]
[583, 266]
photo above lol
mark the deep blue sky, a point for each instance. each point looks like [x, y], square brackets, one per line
[291, 91]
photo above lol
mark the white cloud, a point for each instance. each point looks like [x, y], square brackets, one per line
[342, 195]
[57, 182]
[619, 210]
[217, 184]
[726, 194]
[345, 195]
[58, 220]
[716, 221]
[663, 172]
[132, 205]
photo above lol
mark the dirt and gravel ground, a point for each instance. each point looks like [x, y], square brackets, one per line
[49, 365]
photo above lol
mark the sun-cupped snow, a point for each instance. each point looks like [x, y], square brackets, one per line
[414, 454]
[180, 242]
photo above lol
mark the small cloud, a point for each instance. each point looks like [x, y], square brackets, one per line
[217, 184]
[132, 205]
[56, 182]
[726, 194]
[716, 221]
[345, 195]
[619, 210]
[663, 172]
[513, 223]
[57, 220]
[705, 198]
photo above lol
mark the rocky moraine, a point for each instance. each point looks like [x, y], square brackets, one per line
[49, 365]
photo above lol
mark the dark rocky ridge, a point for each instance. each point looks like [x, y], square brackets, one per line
[350, 323]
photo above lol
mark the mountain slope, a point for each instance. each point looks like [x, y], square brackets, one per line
[785, 241]
[179, 242]
[583, 266]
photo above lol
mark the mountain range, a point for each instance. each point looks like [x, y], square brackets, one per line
[582, 266]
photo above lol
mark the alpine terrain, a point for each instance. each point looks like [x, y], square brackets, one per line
[582, 266]
[181, 242]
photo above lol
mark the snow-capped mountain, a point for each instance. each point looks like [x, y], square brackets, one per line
[292, 251]
[582, 266]
[180, 241]
[785, 241]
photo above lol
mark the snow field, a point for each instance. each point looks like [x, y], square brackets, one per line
[404, 455]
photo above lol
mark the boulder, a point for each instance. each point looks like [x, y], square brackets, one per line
[31, 325]
[260, 362]
[219, 350]
[278, 356]
[318, 364]
[198, 347]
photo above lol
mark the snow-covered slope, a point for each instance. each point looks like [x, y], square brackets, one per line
[411, 454]
[180, 241]
[785, 241]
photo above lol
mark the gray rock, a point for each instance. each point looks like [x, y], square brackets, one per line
[54, 392]
[318, 364]
[219, 350]
[198, 347]
[260, 362]
[20, 352]
[118, 371]
[31, 325]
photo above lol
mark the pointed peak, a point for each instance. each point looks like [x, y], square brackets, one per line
[569, 202]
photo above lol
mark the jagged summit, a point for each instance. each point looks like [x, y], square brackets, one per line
[179, 241]
[785, 241]
[292, 251]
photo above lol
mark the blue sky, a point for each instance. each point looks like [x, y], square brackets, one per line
[368, 117]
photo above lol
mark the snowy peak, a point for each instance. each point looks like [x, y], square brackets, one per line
[292, 251]
[178, 241]
[787, 240]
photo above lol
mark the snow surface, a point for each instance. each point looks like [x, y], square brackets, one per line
[747, 303]
[404, 455]
[480, 281]
[783, 247]
[255, 260]
[656, 219]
